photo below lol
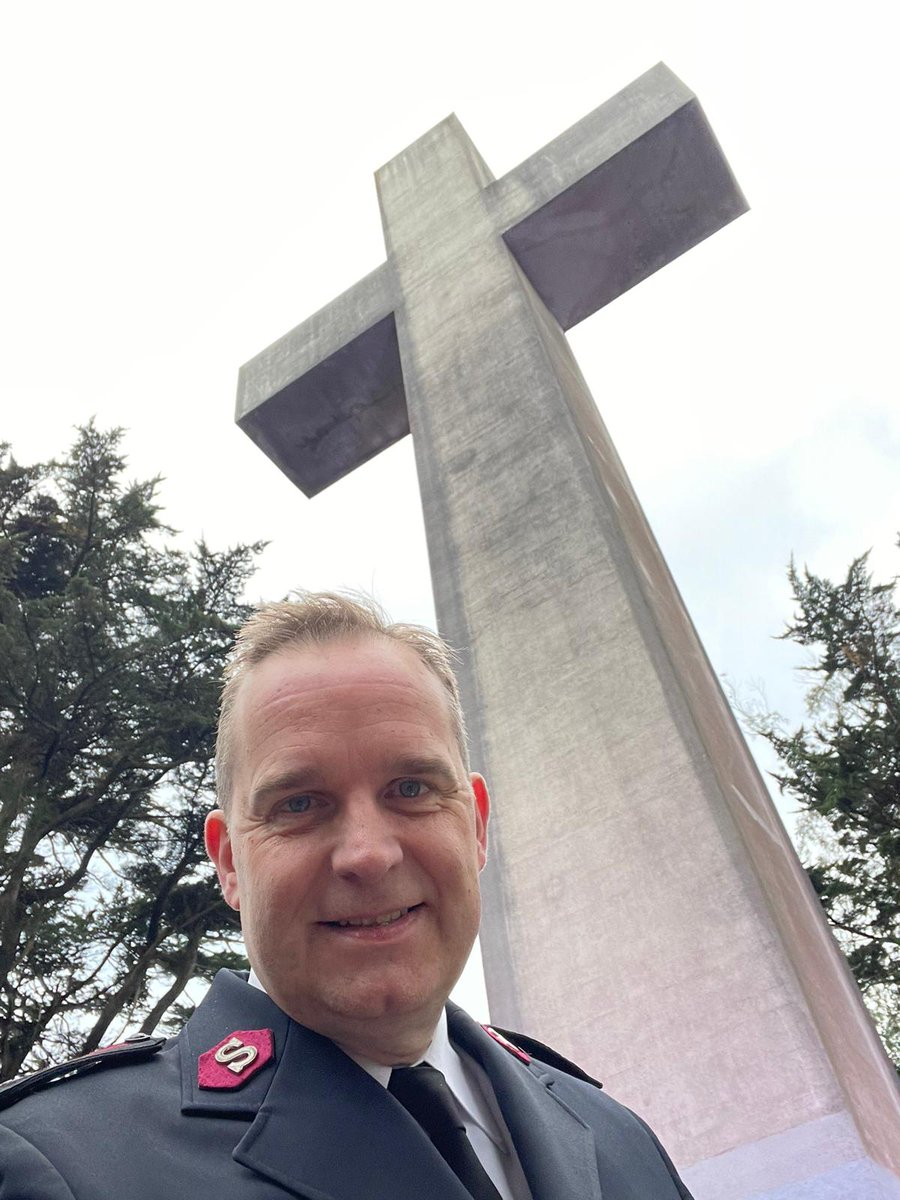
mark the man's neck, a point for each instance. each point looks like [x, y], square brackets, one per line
[389, 1047]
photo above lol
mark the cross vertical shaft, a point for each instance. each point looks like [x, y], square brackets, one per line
[644, 909]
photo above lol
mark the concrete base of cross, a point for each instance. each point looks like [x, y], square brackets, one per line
[820, 1160]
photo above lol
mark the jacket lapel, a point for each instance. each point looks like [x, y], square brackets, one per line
[555, 1147]
[229, 1005]
[321, 1127]
[327, 1129]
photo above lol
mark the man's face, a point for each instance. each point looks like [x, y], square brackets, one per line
[355, 839]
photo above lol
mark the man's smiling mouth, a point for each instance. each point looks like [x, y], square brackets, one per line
[387, 918]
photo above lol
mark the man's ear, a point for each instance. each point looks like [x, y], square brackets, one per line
[221, 851]
[482, 812]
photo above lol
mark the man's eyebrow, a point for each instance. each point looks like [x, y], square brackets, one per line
[289, 781]
[309, 778]
[425, 765]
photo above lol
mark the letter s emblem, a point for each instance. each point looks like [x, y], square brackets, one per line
[236, 1055]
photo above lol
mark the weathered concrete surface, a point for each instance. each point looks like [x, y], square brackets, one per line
[328, 396]
[630, 187]
[645, 911]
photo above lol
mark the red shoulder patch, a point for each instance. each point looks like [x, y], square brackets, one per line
[235, 1059]
[506, 1043]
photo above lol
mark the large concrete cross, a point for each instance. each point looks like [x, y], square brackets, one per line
[645, 910]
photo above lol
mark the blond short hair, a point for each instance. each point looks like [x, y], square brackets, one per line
[316, 618]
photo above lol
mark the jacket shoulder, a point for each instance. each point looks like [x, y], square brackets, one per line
[531, 1048]
[137, 1048]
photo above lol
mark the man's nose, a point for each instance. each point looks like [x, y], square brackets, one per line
[366, 844]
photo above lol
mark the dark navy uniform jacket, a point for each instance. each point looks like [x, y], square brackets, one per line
[311, 1123]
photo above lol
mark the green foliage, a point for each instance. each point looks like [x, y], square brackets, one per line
[845, 770]
[111, 650]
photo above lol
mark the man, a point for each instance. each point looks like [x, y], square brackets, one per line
[350, 838]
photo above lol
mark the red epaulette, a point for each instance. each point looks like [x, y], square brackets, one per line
[133, 1049]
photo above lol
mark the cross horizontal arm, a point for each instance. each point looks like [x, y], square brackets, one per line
[624, 191]
[627, 189]
[329, 395]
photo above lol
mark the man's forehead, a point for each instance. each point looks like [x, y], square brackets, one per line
[371, 658]
[317, 670]
[381, 681]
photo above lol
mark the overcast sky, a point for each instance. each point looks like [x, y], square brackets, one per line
[183, 183]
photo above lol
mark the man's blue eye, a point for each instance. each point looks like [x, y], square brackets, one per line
[298, 804]
[409, 788]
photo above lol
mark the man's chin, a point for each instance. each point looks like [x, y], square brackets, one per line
[373, 1002]
[359, 1004]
